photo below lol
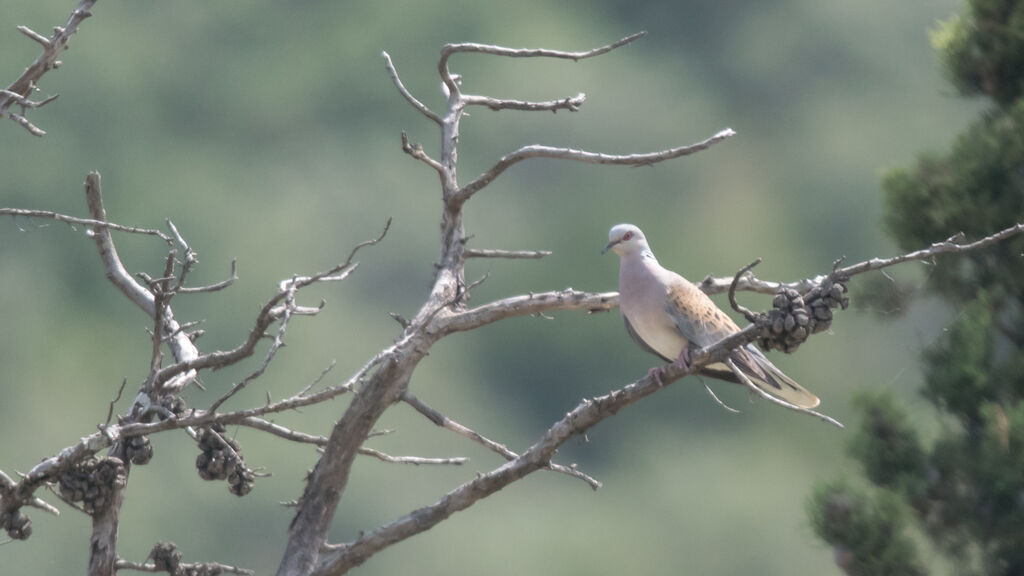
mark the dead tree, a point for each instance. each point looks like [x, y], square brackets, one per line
[90, 474]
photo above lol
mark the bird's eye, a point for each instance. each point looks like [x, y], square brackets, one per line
[627, 236]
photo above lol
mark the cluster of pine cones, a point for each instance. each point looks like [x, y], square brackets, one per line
[794, 317]
[221, 458]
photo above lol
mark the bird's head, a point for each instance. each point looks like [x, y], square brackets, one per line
[626, 239]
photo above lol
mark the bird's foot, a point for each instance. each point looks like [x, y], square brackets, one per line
[683, 361]
[656, 374]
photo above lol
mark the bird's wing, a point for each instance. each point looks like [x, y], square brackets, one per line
[703, 323]
[717, 371]
[695, 315]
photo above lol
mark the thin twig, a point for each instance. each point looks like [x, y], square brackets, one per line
[716, 398]
[282, 432]
[416, 151]
[47, 215]
[717, 285]
[448, 50]
[415, 460]
[212, 287]
[319, 379]
[750, 316]
[447, 423]
[405, 92]
[110, 409]
[269, 313]
[276, 345]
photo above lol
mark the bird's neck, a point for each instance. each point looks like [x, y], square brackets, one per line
[639, 263]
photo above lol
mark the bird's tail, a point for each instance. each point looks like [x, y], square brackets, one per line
[769, 378]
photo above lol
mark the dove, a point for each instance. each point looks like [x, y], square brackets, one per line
[667, 315]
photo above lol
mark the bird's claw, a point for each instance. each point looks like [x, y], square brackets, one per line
[655, 373]
[683, 361]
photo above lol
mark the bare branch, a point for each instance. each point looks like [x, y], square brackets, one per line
[26, 124]
[446, 52]
[750, 316]
[7, 488]
[527, 304]
[276, 345]
[478, 253]
[181, 345]
[110, 409]
[211, 287]
[571, 104]
[748, 283]
[416, 151]
[449, 424]
[449, 49]
[184, 567]
[716, 285]
[268, 314]
[415, 460]
[26, 103]
[319, 379]
[19, 91]
[42, 40]
[464, 431]
[539, 151]
[405, 92]
[949, 246]
[105, 520]
[93, 443]
[339, 558]
[282, 432]
[47, 215]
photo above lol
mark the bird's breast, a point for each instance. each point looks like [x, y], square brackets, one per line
[645, 310]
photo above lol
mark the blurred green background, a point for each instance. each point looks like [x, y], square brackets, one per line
[269, 132]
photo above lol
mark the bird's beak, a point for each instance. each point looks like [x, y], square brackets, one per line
[609, 246]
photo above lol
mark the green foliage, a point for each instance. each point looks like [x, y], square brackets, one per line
[983, 52]
[977, 189]
[888, 447]
[867, 532]
[967, 490]
[976, 498]
[958, 366]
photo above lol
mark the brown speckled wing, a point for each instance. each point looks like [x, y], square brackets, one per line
[695, 315]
